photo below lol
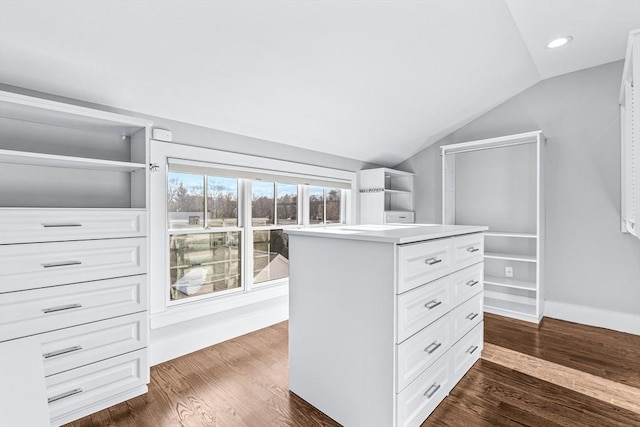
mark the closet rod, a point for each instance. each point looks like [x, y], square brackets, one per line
[490, 147]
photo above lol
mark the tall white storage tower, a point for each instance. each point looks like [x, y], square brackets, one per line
[499, 182]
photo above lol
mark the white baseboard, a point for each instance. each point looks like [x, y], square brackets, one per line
[623, 322]
[207, 331]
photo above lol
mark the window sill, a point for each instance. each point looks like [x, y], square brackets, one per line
[193, 310]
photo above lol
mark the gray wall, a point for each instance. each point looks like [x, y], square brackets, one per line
[589, 261]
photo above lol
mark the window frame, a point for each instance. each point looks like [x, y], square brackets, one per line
[163, 310]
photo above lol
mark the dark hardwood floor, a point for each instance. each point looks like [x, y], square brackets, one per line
[243, 382]
[601, 352]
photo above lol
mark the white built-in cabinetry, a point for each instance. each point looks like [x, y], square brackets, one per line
[73, 260]
[499, 182]
[386, 196]
[391, 322]
[630, 138]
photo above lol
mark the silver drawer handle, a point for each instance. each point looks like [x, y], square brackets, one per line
[432, 260]
[432, 390]
[471, 349]
[61, 308]
[64, 395]
[472, 249]
[472, 283]
[61, 352]
[430, 348]
[60, 264]
[402, 217]
[472, 316]
[66, 224]
[432, 304]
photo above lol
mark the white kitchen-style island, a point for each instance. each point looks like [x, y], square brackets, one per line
[384, 320]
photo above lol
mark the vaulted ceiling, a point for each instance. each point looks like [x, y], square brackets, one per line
[371, 80]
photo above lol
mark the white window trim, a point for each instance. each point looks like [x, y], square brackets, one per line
[163, 313]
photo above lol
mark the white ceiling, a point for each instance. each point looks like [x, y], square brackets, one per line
[371, 80]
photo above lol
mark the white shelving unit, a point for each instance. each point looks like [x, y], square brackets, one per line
[630, 138]
[386, 196]
[73, 259]
[499, 182]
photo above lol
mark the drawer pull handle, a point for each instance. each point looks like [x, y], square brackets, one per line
[471, 349]
[61, 352]
[433, 347]
[61, 308]
[402, 217]
[66, 224]
[472, 249]
[432, 390]
[472, 283]
[432, 260]
[432, 304]
[64, 395]
[472, 316]
[60, 264]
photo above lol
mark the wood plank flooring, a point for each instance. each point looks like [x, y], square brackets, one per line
[244, 382]
[601, 352]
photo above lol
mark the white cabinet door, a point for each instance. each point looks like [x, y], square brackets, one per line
[420, 263]
[82, 345]
[422, 306]
[466, 316]
[39, 265]
[73, 390]
[42, 310]
[467, 283]
[421, 350]
[422, 396]
[55, 225]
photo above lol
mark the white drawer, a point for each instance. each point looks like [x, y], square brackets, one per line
[42, 310]
[50, 225]
[468, 249]
[466, 316]
[422, 306]
[400, 217]
[38, 265]
[421, 350]
[467, 283]
[420, 263]
[82, 345]
[71, 391]
[422, 396]
[465, 352]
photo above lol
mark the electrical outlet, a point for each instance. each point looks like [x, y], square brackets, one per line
[508, 271]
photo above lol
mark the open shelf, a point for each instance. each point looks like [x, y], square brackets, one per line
[510, 282]
[53, 160]
[510, 306]
[387, 190]
[510, 257]
[514, 235]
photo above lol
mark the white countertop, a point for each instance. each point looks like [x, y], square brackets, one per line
[391, 233]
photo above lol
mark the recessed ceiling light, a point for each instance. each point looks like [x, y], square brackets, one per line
[559, 42]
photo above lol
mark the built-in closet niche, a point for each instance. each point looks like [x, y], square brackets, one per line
[499, 183]
[51, 160]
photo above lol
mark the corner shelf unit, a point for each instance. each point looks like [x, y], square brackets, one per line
[386, 196]
[499, 182]
[73, 259]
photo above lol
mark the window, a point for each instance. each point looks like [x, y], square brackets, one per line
[185, 200]
[209, 261]
[325, 205]
[274, 207]
[227, 226]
